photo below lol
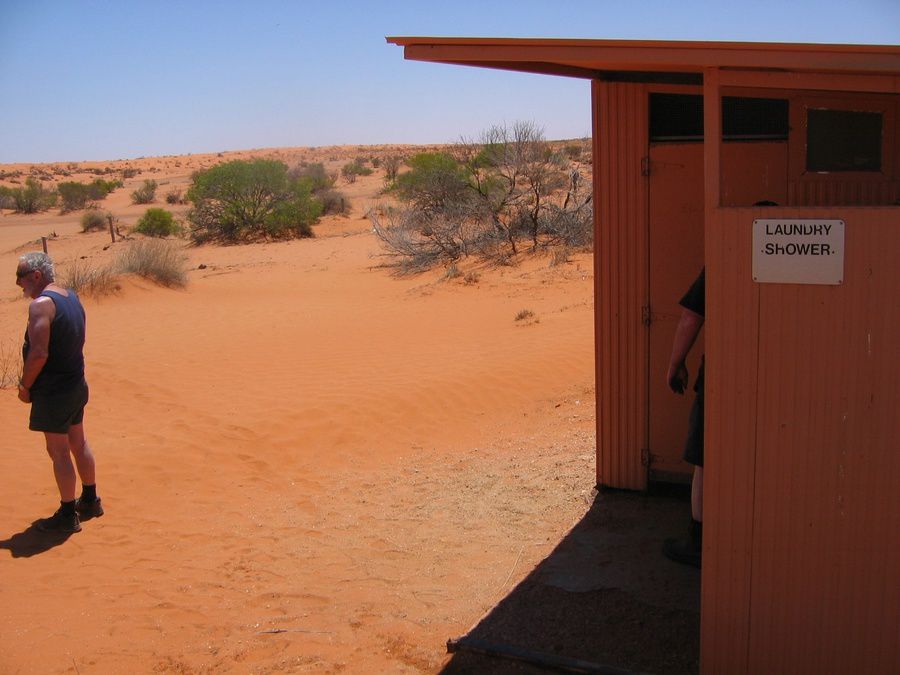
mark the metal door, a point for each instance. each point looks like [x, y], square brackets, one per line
[675, 259]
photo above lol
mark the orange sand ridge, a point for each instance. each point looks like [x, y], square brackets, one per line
[307, 463]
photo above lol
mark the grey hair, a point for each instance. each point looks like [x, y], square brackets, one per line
[36, 260]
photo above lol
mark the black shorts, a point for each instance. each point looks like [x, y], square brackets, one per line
[693, 448]
[55, 412]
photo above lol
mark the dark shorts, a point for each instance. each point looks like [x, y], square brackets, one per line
[693, 448]
[55, 413]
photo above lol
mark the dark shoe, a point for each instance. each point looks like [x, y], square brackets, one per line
[60, 523]
[682, 551]
[686, 551]
[88, 510]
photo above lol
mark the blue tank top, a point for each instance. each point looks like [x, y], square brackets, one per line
[64, 369]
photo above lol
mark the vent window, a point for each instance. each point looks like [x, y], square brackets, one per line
[843, 140]
[679, 117]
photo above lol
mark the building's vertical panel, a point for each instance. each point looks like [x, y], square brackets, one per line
[620, 259]
[801, 506]
[731, 327]
[826, 539]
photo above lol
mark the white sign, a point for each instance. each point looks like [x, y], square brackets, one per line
[798, 251]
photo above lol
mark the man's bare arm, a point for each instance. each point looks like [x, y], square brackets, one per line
[686, 333]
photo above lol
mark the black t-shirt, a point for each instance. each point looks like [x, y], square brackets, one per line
[695, 301]
[695, 298]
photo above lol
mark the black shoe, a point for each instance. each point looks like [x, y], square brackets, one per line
[686, 551]
[88, 510]
[682, 551]
[60, 523]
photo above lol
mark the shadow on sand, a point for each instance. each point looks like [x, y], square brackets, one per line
[604, 601]
[32, 541]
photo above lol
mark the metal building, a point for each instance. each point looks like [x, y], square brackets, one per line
[801, 570]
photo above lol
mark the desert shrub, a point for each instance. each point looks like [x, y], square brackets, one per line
[524, 314]
[7, 201]
[435, 182]
[10, 365]
[99, 188]
[145, 194]
[157, 222]
[162, 262]
[86, 279]
[321, 185]
[416, 242]
[251, 199]
[74, 196]
[570, 224]
[33, 197]
[174, 196]
[129, 173]
[351, 170]
[392, 164]
[93, 219]
[333, 202]
[319, 179]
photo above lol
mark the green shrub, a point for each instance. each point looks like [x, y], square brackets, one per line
[251, 199]
[145, 194]
[157, 223]
[92, 219]
[7, 201]
[162, 262]
[351, 170]
[34, 197]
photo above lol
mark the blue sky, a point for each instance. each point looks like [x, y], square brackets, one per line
[92, 79]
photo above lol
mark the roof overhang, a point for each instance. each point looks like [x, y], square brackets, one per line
[653, 60]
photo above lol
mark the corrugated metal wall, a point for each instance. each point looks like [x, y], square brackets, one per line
[802, 506]
[823, 192]
[620, 259]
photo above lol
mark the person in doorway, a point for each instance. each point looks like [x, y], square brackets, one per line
[53, 383]
[693, 307]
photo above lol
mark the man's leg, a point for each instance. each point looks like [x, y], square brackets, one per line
[84, 458]
[65, 520]
[63, 469]
[697, 494]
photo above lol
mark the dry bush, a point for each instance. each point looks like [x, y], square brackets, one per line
[160, 261]
[93, 219]
[416, 241]
[86, 279]
[10, 366]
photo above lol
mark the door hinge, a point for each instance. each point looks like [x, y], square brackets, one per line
[645, 166]
[646, 315]
[646, 457]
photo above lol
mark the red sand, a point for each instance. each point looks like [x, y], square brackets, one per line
[298, 442]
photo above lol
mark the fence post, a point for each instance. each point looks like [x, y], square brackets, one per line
[44, 244]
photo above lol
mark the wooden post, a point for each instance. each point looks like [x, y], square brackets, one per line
[112, 230]
[44, 243]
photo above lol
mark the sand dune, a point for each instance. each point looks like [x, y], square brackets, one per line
[308, 464]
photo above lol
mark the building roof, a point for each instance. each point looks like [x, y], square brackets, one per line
[637, 59]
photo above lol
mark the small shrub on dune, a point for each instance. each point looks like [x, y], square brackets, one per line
[162, 262]
[6, 198]
[93, 219]
[145, 194]
[157, 222]
[10, 365]
[86, 279]
[175, 196]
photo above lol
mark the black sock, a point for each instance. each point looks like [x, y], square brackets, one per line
[68, 508]
[88, 493]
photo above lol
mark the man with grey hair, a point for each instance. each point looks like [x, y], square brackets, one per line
[53, 383]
